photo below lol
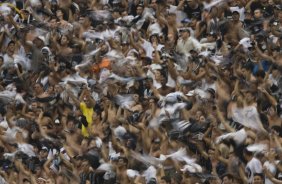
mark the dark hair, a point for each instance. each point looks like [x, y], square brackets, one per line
[177, 177]
[140, 5]
[156, 35]
[65, 14]
[3, 111]
[185, 30]
[71, 118]
[11, 42]
[258, 9]
[228, 175]
[160, 53]
[166, 178]
[260, 73]
[278, 129]
[25, 180]
[2, 149]
[260, 175]
[39, 83]
[247, 152]
[248, 66]
[124, 159]
[53, 17]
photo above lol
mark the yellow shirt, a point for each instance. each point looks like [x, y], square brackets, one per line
[88, 113]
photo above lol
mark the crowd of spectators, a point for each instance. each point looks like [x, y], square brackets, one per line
[140, 91]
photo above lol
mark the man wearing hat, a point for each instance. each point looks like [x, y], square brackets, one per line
[186, 42]
[239, 7]
[236, 19]
[209, 42]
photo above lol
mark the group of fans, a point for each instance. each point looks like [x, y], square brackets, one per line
[140, 91]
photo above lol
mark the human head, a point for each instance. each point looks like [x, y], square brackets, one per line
[247, 154]
[227, 179]
[139, 9]
[52, 23]
[43, 153]
[122, 162]
[163, 80]
[211, 37]
[185, 33]
[60, 14]
[64, 41]
[171, 2]
[154, 4]
[87, 100]
[39, 42]
[11, 46]
[116, 13]
[26, 181]
[38, 88]
[257, 13]
[154, 38]
[258, 178]
[235, 15]
[70, 123]
[171, 18]
[86, 21]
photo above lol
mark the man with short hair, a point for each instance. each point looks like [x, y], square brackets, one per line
[186, 43]
[10, 53]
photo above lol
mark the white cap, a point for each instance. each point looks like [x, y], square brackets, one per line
[191, 93]
[42, 38]
[57, 121]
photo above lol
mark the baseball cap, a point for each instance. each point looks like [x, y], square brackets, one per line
[57, 121]
[185, 29]
[44, 148]
[213, 34]
[186, 20]
[41, 38]
[236, 12]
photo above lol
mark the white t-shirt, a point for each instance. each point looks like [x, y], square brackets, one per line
[252, 167]
[26, 148]
[8, 60]
[240, 10]
[149, 48]
[272, 168]
[170, 81]
[180, 15]
[155, 28]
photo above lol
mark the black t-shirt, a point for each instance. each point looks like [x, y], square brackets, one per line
[257, 25]
[193, 12]
[268, 11]
[5, 164]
